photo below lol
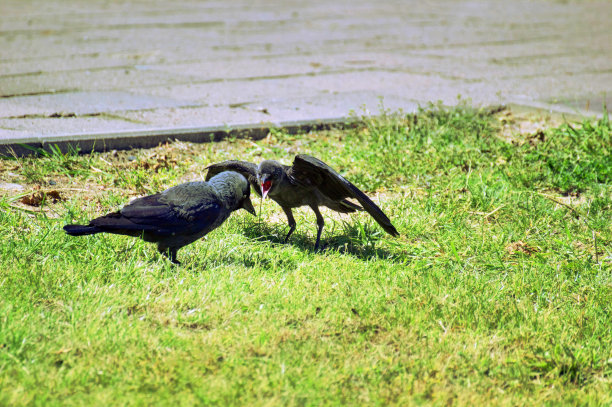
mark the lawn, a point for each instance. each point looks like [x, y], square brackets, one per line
[497, 292]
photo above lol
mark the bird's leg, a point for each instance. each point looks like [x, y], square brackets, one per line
[320, 224]
[170, 253]
[291, 221]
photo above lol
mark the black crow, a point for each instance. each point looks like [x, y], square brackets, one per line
[309, 181]
[177, 216]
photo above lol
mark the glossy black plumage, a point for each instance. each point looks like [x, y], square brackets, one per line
[177, 216]
[309, 181]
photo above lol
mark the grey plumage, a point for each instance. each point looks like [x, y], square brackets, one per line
[177, 216]
[309, 181]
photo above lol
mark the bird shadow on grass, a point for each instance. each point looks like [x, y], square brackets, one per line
[355, 239]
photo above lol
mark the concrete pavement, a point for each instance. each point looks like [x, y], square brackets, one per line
[135, 73]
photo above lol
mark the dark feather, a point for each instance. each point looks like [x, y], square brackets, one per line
[149, 215]
[349, 206]
[312, 171]
[246, 169]
[81, 230]
[149, 210]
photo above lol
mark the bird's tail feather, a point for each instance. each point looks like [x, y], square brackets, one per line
[374, 211]
[81, 230]
[345, 206]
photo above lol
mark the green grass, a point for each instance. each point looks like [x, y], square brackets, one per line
[498, 292]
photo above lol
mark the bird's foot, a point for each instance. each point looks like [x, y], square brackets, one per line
[170, 254]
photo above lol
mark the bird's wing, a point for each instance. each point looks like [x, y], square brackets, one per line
[157, 213]
[117, 223]
[139, 215]
[307, 170]
[310, 171]
[247, 169]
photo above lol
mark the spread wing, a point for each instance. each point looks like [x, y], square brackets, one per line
[311, 171]
[247, 169]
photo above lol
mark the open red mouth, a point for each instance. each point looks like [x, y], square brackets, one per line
[265, 188]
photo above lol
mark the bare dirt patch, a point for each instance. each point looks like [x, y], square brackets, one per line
[519, 127]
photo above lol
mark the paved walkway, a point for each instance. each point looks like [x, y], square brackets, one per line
[117, 71]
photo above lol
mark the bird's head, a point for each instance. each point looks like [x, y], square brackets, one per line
[269, 174]
[234, 190]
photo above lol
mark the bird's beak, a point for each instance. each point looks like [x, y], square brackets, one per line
[265, 188]
[247, 205]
